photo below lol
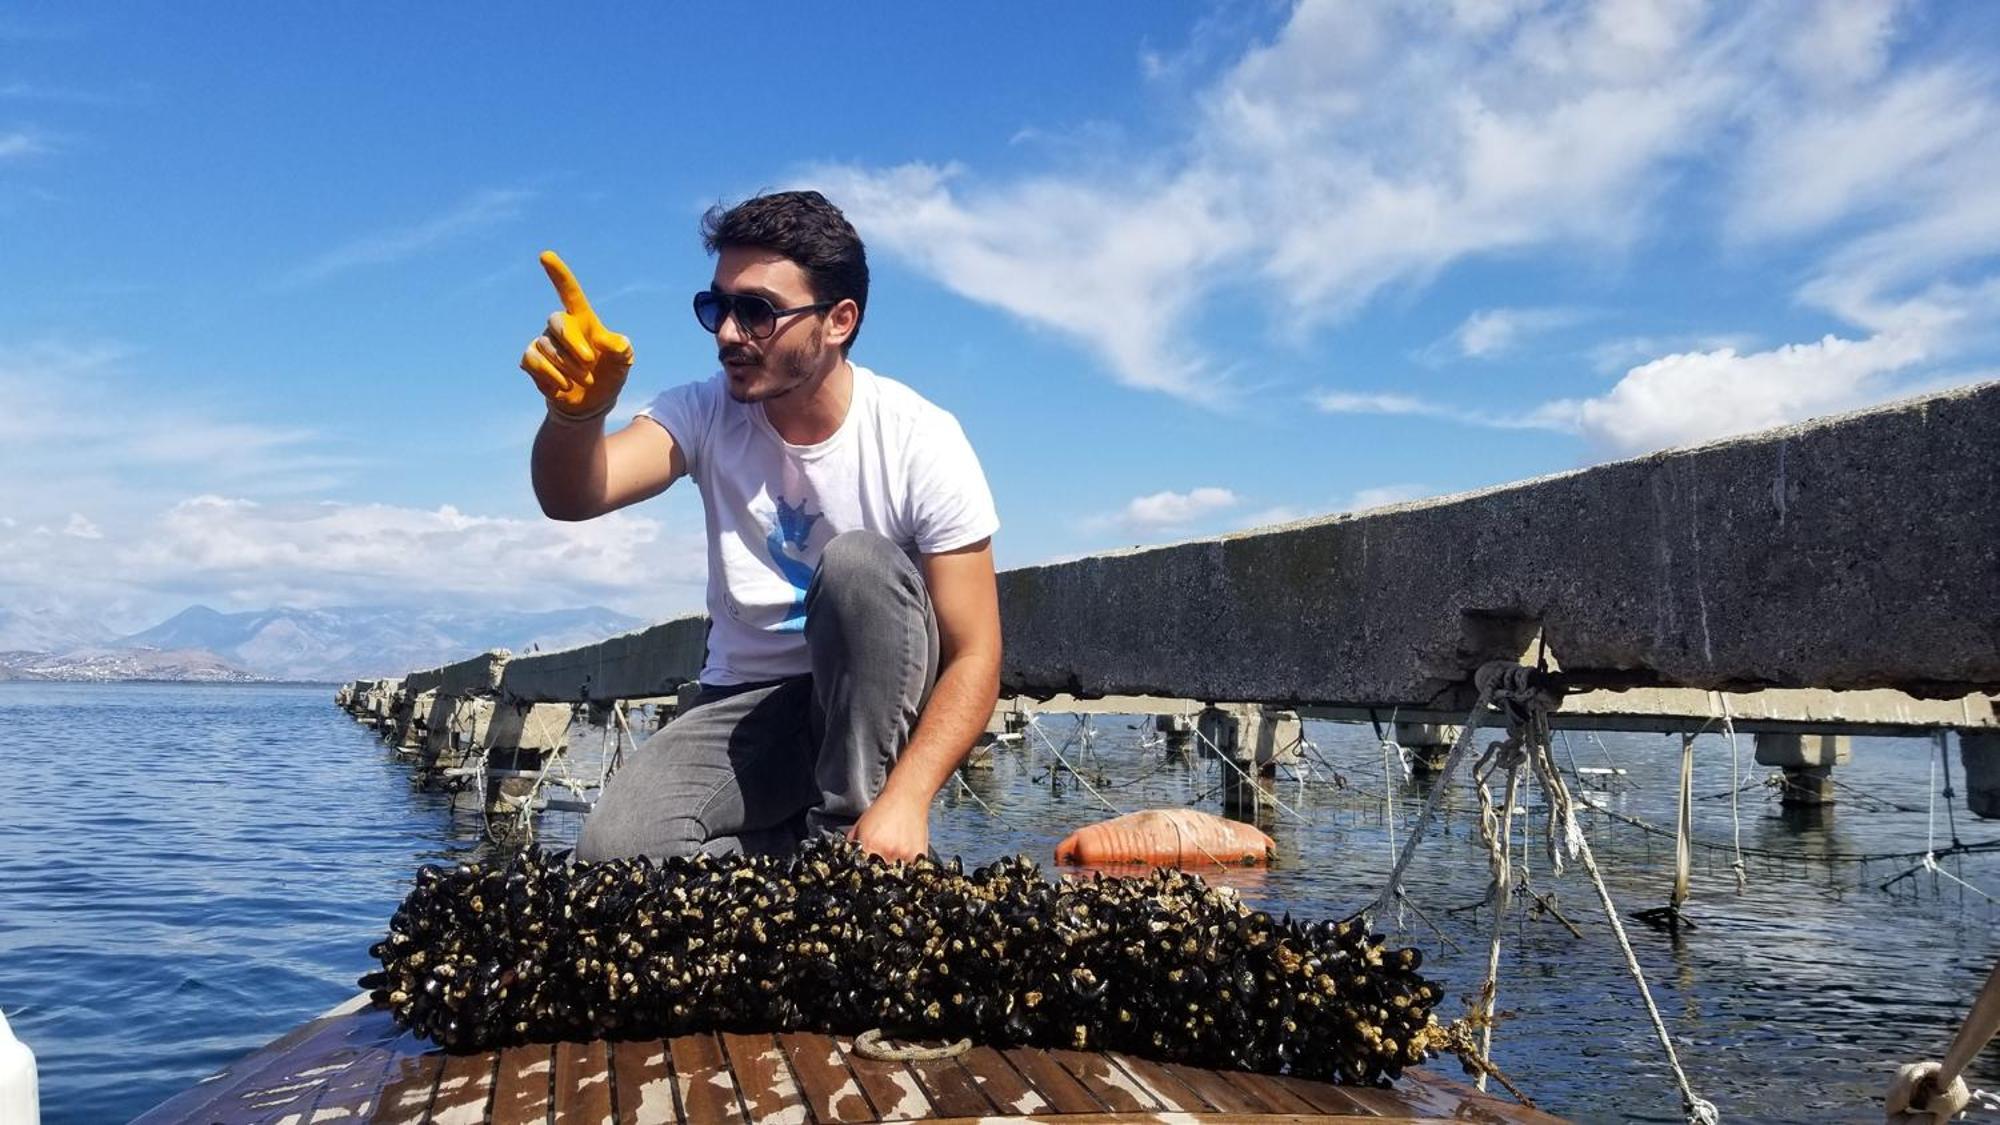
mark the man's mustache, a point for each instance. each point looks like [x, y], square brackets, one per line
[734, 352]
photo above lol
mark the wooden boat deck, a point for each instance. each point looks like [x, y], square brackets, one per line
[353, 1064]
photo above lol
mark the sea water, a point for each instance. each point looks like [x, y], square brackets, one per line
[187, 872]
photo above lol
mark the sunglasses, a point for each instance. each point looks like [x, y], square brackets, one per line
[753, 314]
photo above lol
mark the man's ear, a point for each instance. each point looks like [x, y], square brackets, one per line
[841, 321]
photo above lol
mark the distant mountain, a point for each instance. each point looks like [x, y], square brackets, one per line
[40, 630]
[343, 643]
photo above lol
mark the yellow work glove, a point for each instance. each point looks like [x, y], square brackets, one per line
[578, 363]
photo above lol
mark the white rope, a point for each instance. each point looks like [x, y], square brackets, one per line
[1034, 724]
[1930, 823]
[1735, 787]
[1684, 826]
[1226, 760]
[1393, 892]
[1389, 790]
[1498, 838]
[1698, 1111]
[972, 793]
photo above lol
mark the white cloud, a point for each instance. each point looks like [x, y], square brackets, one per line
[112, 443]
[1383, 495]
[20, 144]
[1373, 145]
[1351, 402]
[1265, 517]
[1167, 510]
[1488, 333]
[1694, 396]
[1621, 354]
[1366, 145]
[1117, 271]
[484, 209]
[233, 552]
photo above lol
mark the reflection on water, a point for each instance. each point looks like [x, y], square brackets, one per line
[187, 872]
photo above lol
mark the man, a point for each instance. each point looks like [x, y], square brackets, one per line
[854, 638]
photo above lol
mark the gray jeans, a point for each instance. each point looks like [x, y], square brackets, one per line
[756, 767]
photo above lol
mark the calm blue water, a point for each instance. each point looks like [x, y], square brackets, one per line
[188, 872]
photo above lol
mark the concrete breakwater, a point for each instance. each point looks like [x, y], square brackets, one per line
[1834, 577]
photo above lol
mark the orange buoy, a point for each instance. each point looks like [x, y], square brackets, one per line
[1166, 838]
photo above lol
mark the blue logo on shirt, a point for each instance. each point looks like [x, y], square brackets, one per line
[787, 544]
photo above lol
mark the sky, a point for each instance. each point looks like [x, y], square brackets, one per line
[1178, 268]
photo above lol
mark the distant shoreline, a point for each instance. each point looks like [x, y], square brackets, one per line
[176, 683]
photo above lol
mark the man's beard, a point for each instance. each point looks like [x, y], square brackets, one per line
[794, 367]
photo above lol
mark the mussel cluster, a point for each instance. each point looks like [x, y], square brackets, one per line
[534, 948]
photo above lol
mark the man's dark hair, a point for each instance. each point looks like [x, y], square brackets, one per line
[806, 228]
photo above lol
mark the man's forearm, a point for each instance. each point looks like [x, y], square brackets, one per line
[960, 706]
[567, 467]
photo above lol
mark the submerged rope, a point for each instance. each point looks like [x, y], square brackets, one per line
[1486, 679]
[1735, 788]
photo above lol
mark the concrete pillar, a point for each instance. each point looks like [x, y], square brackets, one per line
[1979, 753]
[1429, 744]
[518, 739]
[411, 719]
[452, 737]
[1255, 740]
[1808, 761]
[1178, 730]
[382, 703]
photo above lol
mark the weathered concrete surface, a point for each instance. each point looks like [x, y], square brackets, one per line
[653, 661]
[1979, 753]
[477, 676]
[1804, 751]
[526, 726]
[423, 680]
[1844, 553]
[1877, 711]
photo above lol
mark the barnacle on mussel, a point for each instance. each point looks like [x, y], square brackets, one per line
[536, 948]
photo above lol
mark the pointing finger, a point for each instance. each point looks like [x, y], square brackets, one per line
[573, 300]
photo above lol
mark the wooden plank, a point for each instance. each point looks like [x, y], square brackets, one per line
[1270, 1093]
[1325, 1097]
[1057, 1086]
[830, 1090]
[1166, 1089]
[521, 1087]
[951, 1088]
[465, 1089]
[1165, 1117]
[1106, 1081]
[643, 1090]
[1224, 1095]
[1434, 1085]
[583, 1084]
[1001, 1083]
[701, 1073]
[890, 1086]
[412, 1082]
[769, 1093]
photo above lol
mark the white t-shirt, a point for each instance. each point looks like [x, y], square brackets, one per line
[898, 466]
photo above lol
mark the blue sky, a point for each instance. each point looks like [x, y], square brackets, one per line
[1178, 267]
